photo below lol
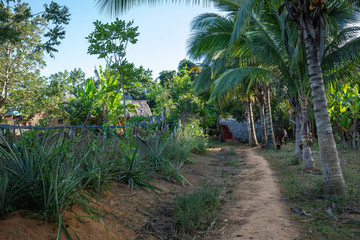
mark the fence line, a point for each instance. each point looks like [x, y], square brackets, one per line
[4, 126]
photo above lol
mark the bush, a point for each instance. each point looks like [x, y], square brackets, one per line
[3, 191]
[196, 210]
[193, 137]
[134, 170]
[43, 175]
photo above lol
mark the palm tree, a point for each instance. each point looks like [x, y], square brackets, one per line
[311, 21]
[310, 16]
[211, 37]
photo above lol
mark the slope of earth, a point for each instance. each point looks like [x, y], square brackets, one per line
[252, 207]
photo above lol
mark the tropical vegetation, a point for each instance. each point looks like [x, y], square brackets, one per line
[289, 67]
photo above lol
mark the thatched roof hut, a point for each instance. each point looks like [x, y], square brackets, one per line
[239, 129]
[142, 109]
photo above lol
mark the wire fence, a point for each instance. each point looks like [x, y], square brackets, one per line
[5, 126]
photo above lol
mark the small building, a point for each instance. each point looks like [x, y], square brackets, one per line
[232, 129]
[14, 118]
[141, 109]
[36, 119]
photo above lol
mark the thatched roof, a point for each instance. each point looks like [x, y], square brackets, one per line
[239, 129]
[142, 109]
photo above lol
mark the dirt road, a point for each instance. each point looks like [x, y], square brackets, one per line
[256, 210]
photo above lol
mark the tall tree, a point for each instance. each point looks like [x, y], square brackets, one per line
[22, 46]
[110, 41]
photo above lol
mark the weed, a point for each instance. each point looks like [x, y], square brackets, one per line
[232, 162]
[196, 210]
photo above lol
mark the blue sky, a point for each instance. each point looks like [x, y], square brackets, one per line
[161, 45]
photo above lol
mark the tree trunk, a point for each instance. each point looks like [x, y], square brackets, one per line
[261, 99]
[124, 103]
[4, 91]
[354, 132]
[254, 142]
[248, 121]
[306, 137]
[298, 153]
[332, 174]
[270, 130]
[247, 110]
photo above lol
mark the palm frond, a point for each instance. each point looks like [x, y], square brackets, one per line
[211, 35]
[117, 7]
[240, 78]
[242, 19]
[348, 53]
[203, 81]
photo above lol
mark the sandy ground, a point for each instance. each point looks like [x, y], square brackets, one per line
[256, 210]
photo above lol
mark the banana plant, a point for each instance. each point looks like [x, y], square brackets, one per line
[102, 97]
[344, 111]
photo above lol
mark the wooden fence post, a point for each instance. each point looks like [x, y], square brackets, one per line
[163, 124]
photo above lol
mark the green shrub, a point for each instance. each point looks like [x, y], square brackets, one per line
[134, 171]
[4, 180]
[102, 161]
[196, 210]
[192, 135]
[44, 175]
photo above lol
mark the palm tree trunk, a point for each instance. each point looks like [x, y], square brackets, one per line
[305, 139]
[354, 132]
[298, 153]
[332, 174]
[261, 99]
[270, 129]
[263, 126]
[252, 127]
[248, 121]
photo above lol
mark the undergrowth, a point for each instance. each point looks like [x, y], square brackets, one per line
[305, 191]
[195, 211]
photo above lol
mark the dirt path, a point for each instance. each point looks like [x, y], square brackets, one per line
[256, 210]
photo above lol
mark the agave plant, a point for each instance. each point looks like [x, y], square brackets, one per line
[3, 192]
[44, 174]
[134, 171]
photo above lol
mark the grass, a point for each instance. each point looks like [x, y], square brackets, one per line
[304, 190]
[195, 211]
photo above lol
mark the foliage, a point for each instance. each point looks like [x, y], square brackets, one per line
[4, 198]
[101, 162]
[98, 102]
[30, 96]
[157, 150]
[45, 175]
[177, 95]
[49, 95]
[196, 210]
[109, 40]
[22, 46]
[139, 83]
[134, 170]
[192, 136]
[344, 107]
